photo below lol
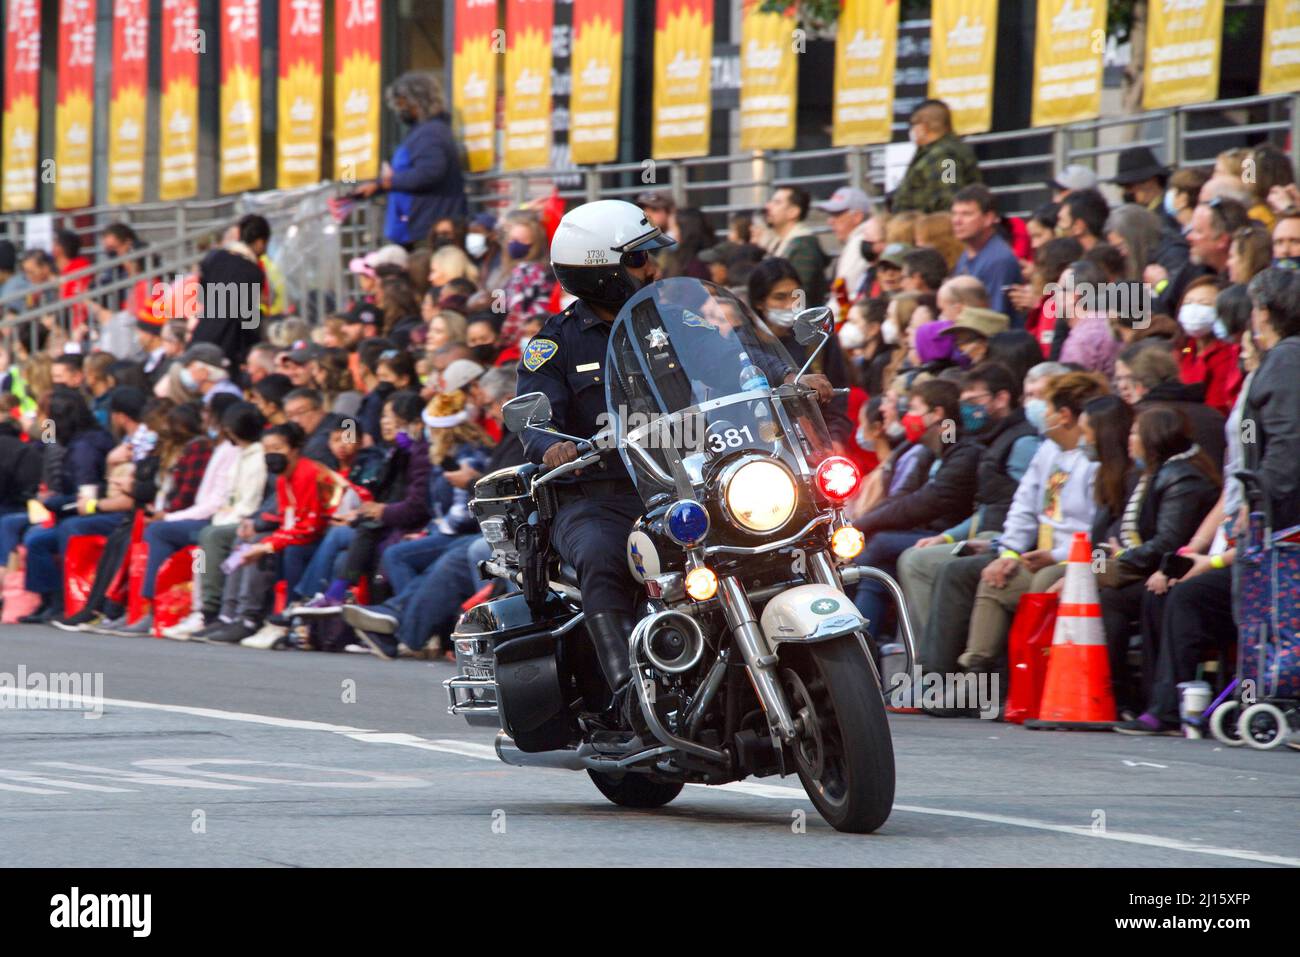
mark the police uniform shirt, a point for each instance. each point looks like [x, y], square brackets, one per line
[566, 361]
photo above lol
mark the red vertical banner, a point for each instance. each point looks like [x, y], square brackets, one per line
[241, 95]
[74, 113]
[299, 93]
[357, 47]
[528, 84]
[129, 103]
[178, 108]
[597, 62]
[474, 81]
[22, 98]
[682, 101]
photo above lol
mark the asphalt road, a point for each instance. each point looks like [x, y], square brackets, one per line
[220, 756]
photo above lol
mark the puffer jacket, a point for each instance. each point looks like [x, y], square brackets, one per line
[945, 500]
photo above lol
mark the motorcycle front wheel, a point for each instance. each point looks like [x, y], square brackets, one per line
[844, 756]
[635, 790]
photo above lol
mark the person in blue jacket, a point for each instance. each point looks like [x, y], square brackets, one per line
[424, 179]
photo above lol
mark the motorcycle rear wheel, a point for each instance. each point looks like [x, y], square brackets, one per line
[635, 790]
[845, 759]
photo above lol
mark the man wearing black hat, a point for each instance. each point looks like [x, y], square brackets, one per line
[1144, 180]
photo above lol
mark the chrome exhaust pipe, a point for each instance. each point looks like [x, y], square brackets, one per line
[564, 760]
[689, 633]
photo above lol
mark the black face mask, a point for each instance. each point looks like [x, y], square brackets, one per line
[276, 462]
[440, 241]
[384, 388]
[868, 252]
[1128, 196]
[410, 118]
[484, 355]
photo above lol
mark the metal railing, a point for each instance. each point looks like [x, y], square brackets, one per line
[303, 231]
[741, 182]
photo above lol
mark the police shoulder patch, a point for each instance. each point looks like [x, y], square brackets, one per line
[538, 352]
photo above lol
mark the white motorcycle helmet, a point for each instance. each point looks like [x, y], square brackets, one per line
[593, 246]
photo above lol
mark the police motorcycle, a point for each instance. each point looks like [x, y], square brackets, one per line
[748, 658]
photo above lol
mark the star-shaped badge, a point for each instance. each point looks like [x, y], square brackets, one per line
[657, 338]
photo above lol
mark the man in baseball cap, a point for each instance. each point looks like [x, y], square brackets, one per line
[658, 207]
[847, 212]
[205, 370]
[1071, 179]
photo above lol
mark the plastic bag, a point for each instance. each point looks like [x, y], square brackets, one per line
[80, 560]
[1028, 645]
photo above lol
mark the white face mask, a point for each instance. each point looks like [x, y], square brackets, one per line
[1197, 318]
[475, 244]
[889, 332]
[781, 318]
[852, 336]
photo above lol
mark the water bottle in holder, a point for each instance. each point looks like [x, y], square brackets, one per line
[751, 376]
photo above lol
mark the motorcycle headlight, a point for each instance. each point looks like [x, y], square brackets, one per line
[759, 495]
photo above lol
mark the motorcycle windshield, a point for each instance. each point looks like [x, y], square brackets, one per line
[694, 377]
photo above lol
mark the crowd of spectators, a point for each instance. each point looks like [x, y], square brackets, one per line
[1013, 381]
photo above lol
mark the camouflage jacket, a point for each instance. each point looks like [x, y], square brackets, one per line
[936, 172]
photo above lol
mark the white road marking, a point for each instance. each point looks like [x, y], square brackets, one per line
[484, 752]
[1143, 764]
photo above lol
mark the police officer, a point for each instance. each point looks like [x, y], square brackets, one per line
[600, 254]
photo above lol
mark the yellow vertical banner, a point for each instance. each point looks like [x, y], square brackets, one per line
[683, 70]
[241, 95]
[299, 92]
[768, 78]
[597, 67]
[963, 34]
[474, 81]
[1069, 40]
[127, 108]
[528, 84]
[865, 51]
[1279, 63]
[74, 113]
[1184, 43]
[178, 106]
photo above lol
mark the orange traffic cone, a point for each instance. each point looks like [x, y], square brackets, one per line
[1077, 693]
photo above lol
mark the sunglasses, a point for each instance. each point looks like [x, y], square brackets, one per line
[635, 260]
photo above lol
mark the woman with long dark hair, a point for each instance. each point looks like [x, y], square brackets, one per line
[1177, 486]
[693, 233]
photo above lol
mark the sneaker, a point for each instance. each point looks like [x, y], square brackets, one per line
[210, 629]
[316, 607]
[381, 646]
[267, 638]
[1146, 724]
[969, 661]
[185, 629]
[372, 618]
[232, 633]
[44, 615]
[141, 629]
[81, 621]
[109, 626]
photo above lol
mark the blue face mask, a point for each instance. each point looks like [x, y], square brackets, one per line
[861, 437]
[1287, 262]
[1221, 331]
[974, 417]
[187, 380]
[1170, 209]
[1036, 414]
[517, 249]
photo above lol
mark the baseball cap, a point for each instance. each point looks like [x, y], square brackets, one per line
[366, 313]
[894, 253]
[209, 353]
[460, 373]
[390, 255]
[128, 400]
[655, 199]
[1075, 177]
[303, 353]
[846, 198]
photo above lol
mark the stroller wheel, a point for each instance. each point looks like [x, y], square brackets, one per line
[1223, 724]
[1263, 726]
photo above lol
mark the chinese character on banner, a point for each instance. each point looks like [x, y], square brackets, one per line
[360, 13]
[185, 24]
[243, 19]
[306, 18]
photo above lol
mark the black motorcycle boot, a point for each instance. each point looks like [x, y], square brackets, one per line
[617, 726]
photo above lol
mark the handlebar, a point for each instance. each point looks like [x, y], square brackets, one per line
[581, 462]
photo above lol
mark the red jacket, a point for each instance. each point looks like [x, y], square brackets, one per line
[1217, 367]
[300, 496]
[71, 288]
